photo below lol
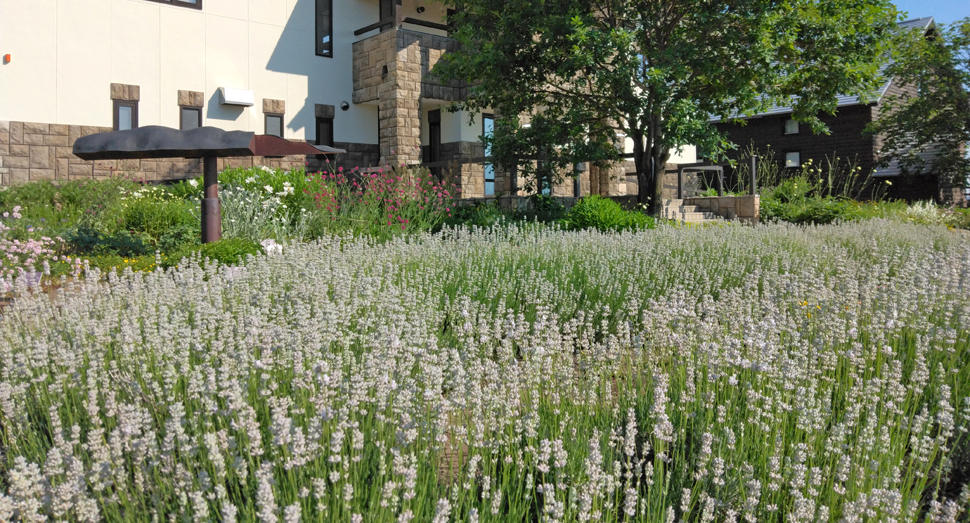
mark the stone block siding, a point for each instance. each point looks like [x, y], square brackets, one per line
[746, 209]
[126, 93]
[35, 151]
[361, 155]
[402, 46]
[191, 99]
[271, 106]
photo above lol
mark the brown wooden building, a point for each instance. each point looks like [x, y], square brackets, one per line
[794, 144]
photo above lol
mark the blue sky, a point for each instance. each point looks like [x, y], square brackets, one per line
[944, 11]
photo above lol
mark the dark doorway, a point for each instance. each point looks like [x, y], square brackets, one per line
[434, 141]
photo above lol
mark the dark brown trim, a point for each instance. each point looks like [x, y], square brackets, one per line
[425, 23]
[181, 3]
[198, 111]
[116, 113]
[376, 25]
[324, 28]
[329, 123]
[267, 116]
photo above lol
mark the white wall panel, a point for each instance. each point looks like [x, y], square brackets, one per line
[28, 84]
[66, 53]
[83, 63]
[182, 67]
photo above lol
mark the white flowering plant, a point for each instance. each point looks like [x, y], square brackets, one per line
[775, 373]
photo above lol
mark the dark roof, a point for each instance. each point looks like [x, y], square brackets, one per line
[845, 100]
[155, 141]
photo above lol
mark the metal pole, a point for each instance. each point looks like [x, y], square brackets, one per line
[680, 183]
[754, 174]
[211, 206]
[720, 181]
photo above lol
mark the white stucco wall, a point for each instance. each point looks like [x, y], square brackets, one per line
[687, 155]
[66, 53]
[455, 127]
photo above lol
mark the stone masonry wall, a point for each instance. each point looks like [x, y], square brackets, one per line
[373, 54]
[37, 151]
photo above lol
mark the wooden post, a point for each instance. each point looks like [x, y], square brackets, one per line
[754, 175]
[680, 183]
[720, 181]
[211, 206]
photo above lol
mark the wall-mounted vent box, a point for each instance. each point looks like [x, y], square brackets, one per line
[229, 96]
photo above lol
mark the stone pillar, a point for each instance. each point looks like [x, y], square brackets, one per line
[609, 180]
[400, 104]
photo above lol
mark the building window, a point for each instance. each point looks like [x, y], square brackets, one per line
[793, 160]
[193, 4]
[488, 130]
[274, 125]
[791, 126]
[125, 115]
[190, 118]
[325, 131]
[325, 28]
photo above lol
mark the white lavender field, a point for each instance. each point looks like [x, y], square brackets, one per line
[737, 374]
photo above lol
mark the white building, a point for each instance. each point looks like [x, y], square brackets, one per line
[325, 71]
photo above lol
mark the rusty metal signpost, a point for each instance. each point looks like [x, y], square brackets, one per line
[208, 143]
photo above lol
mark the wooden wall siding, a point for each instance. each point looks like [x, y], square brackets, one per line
[846, 139]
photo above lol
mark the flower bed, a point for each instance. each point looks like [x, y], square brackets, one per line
[740, 374]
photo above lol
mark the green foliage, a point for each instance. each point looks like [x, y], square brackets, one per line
[152, 219]
[54, 208]
[479, 215]
[930, 113]
[604, 214]
[544, 208]
[578, 72]
[807, 210]
[388, 202]
[84, 240]
[228, 251]
[108, 262]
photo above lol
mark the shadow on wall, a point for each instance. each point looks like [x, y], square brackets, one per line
[214, 110]
[290, 56]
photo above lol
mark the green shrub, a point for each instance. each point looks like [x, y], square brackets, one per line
[604, 214]
[785, 204]
[154, 218]
[229, 251]
[545, 209]
[86, 240]
[478, 215]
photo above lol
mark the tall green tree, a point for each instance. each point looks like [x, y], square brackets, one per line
[926, 126]
[580, 72]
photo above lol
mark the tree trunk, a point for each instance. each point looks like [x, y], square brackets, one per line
[641, 163]
[659, 156]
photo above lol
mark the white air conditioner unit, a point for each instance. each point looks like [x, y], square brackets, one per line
[229, 96]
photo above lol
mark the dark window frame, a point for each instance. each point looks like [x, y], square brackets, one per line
[784, 159]
[320, 48]
[182, 110]
[267, 116]
[328, 122]
[488, 116]
[116, 113]
[181, 3]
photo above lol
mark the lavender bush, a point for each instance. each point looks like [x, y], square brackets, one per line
[718, 374]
